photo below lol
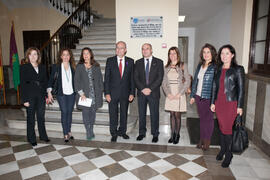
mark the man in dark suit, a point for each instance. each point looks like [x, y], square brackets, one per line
[148, 76]
[119, 89]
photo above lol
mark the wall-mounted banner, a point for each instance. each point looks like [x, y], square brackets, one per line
[146, 27]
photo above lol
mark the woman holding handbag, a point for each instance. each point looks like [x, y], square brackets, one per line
[33, 79]
[61, 84]
[176, 82]
[201, 93]
[89, 84]
[228, 98]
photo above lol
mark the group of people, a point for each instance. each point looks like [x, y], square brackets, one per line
[217, 86]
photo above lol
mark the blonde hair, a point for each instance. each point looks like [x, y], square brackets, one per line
[28, 52]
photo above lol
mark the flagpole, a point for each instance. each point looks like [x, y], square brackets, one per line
[18, 91]
[18, 95]
[4, 89]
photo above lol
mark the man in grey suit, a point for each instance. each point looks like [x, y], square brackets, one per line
[148, 76]
[119, 89]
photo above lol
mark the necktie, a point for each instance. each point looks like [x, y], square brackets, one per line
[120, 68]
[147, 71]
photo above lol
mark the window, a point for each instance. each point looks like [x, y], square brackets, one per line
[260, 38]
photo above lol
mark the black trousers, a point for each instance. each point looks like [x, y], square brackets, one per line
[113, 112]
[37, 107]
[154, 114]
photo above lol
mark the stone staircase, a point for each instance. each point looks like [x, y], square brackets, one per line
[100, 37]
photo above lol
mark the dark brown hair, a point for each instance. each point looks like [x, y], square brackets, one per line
[213, 53]
[178, 57]
[92, 59]
[71, 60]
[28, 52]
[232, 50]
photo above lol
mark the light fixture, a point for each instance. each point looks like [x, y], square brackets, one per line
[181, 18]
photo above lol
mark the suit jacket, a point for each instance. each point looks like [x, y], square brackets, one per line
[116, 86]
[81, 82]
[155, 76]
[33, 84]
[58, 68]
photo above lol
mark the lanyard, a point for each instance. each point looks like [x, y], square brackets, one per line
[67, 74]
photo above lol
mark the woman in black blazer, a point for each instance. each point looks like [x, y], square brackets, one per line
[33, 91]
[65, 68]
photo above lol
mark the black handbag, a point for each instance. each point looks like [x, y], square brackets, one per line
[55, 84]
[240, 136]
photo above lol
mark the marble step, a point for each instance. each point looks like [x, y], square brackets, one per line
[110, 32]
[100, 28]
[103, 24]
[55, 106]
[52, 124]
[97, 41]
[101, 59]
[103, 52]
[99, 36]
[105, 20]
[101, 117]
[96, 46]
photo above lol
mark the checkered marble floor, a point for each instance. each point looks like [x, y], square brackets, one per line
[98, 160]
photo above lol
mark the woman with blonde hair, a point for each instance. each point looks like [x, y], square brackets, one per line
[33, 78]
[176, 82]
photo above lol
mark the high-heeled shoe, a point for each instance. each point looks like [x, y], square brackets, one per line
[219, 156]
[172, 138]
[176, 139]
[227, 161]
[206, 144]
[200, 144]
[66, 139]
[70, 136]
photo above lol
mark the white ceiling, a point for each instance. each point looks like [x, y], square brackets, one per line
[198, 11]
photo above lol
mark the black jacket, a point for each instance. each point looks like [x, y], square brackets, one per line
[113, 84]
[33, 84]
[58, 68]
[234, 85]
[155, 76]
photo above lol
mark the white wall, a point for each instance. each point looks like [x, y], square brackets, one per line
[216, 31]
[128, 8]
[241, 30]
[190, 33]
[27, 18]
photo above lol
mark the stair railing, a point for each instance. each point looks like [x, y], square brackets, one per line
[67, 35]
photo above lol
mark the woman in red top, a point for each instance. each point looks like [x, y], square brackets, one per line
[228, 98]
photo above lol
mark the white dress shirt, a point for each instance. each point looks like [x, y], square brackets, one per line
[150, 61]
[66, 80]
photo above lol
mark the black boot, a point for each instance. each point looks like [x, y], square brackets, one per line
[228, 153]
[172, 138]
[222, 147]
[176, 139]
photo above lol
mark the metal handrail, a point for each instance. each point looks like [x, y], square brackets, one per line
[67, 35]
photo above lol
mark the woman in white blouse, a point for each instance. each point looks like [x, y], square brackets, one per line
[62, 76]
